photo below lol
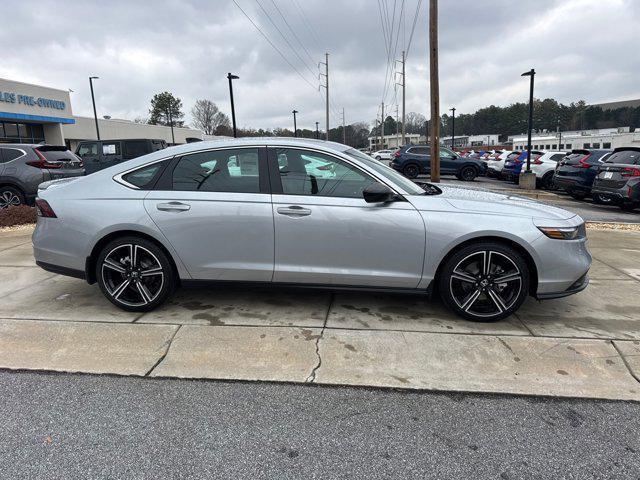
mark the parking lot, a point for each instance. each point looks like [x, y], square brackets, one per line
[587, 345]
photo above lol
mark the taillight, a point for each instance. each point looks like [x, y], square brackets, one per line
[630, 172]
[42, 162]
[536, 162]
[44, 209]
[397, 154]
[582, 163]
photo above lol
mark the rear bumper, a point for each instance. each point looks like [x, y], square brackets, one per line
[572, 183]
[69, 272]
[626, 193]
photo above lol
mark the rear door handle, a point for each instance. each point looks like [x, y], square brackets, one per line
[173, 207]
[294, 211]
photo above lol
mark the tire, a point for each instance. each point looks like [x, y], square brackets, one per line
[10, 196]
[577, 195]
[493, 301]
[378, 157]
[547, 182]
[143, 292]
[601, 200]
[468, 174]
[411, 171]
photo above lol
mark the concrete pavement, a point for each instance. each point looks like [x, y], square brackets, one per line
[586, 345]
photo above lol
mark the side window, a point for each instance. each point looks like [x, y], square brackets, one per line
[9, 154]
[557, 157]
[135, 148]
[311, 173]
[143, 177]
[111, 148]
[233, 170]
[88, 150]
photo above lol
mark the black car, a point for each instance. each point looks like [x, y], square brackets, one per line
[413, 160]
[619, 178]
[25, 166]
[106, 153]
[577, 171]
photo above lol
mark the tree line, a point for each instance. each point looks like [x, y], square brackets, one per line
[548, 114]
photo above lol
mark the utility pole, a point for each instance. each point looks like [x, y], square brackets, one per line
[397, 126]
[382, 127]
[453, 127]
[435, 91]
[170, 118]
[93, 100]
[295, 127]
[317, 131]
[344, 131]
[231, 77]
[326, 86]
[559, 134]
[404, 85]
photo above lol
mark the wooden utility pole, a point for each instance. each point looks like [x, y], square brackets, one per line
[435, 91]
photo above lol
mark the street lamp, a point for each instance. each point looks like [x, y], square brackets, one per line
[531, 73]
[93, 100]
[295, 128]
[317, 131]
[231, 77]
[453, 127]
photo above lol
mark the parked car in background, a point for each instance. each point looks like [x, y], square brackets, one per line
[618, 178]
[544, 167]
[163, 218]
[383, 154]
[106, 153]
[25, 166]
[513, 166]
[495, 164]
[413, 160]
[576, 172]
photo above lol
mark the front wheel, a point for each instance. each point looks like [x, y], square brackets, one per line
[10, 197]
[485, 282]
[378, 157]
[411, 171]
[468, 174]
[135, 274]
[600, 199]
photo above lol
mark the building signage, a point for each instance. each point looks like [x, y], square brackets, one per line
[41, 102]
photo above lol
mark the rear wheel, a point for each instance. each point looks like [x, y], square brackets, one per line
[411, 171]
[547, 181]
[135, 274]
[601, 200]
[378, 157]
[468, 174]
[485, 282]
[10, 197]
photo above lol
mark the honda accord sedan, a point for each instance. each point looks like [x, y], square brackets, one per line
[304, 213]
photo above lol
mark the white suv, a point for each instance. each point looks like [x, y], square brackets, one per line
[544, 167]
[495, 164]
[383, 154]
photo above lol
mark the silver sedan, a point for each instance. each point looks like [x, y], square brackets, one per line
[303, 212]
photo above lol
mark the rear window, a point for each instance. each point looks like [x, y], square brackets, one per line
[58, 155]
[626, 157]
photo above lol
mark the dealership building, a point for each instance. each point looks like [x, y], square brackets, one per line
[34, 114]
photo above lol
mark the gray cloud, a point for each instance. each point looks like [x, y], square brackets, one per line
[580, 49]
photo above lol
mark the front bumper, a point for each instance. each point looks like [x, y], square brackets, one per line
[578, 286]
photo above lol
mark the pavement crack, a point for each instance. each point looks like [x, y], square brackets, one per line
[312, 376]
[166, 352]
[624, 360]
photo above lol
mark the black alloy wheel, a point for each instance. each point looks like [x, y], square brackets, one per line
[468, 174]
[411, 171]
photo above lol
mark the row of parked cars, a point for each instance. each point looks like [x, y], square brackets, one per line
[25, 166]
[607, 176]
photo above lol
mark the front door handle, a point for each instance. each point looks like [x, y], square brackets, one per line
[294, 211]
[173, 207]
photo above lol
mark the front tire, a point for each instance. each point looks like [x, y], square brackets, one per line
[411, 171]
[484, 282]
[135, 274]
[10, 197]
[468, 174]
[601, 200]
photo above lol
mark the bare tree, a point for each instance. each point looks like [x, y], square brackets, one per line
[415, 122]
[208, 117]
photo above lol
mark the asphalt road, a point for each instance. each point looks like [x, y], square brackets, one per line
[82, 426]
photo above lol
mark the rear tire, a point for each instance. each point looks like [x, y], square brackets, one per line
[468, 174]
[469, 281]
[600, 200]
[411, 171]
[135, 274]
[378, 157]
[10, 197]
[547, 182]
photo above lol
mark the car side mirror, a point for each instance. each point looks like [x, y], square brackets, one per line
[378, 193]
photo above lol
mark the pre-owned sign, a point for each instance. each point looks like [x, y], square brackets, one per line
[10, 97]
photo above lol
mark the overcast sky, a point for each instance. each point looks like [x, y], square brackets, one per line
[581, 49]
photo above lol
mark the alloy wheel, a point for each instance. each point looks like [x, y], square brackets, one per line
[485, 283]
[411, 171]
[468, 174]
[132, 275]
[8, 199]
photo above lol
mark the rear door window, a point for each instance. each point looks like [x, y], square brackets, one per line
[88, 150]
[135, 148]
[111, 148]
[419, 151]
[144, 177]
[9, 154]
[625, 157]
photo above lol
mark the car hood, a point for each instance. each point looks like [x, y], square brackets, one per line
[485, 201]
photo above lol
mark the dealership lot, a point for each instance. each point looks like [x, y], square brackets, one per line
[587, 345]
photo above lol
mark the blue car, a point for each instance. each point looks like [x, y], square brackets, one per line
[513, 167]
[413, 160]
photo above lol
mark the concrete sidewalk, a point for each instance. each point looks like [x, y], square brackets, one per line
[587, 345]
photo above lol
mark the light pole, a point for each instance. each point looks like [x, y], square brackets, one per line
[453, 127]
[531, 73]
[317, 131]
[295, 127]
[93, 100]
[231, 77]
[559, 135]
[170, 118]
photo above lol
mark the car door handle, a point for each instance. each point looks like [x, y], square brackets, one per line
[294, 211]
[173, 207]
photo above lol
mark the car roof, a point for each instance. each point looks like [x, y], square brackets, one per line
[32, 145]
[123, 140]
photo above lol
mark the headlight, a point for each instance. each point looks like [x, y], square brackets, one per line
[565, 233]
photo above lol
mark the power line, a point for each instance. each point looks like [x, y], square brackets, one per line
[413, 27]
[292, 31]
[274, 46]
[306, 20]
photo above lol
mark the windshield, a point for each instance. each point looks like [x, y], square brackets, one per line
[388, 173]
